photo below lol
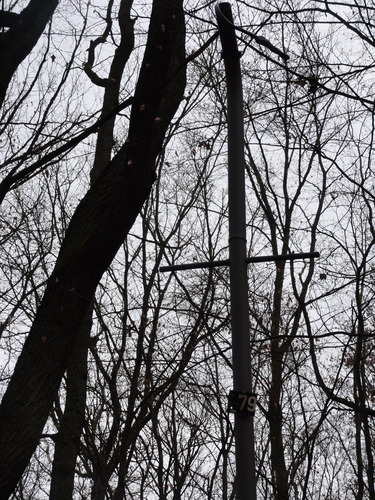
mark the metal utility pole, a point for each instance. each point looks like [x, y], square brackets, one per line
[242, 401]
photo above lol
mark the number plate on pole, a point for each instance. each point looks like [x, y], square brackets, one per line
[243, 402]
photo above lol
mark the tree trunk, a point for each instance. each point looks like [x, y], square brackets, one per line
[68, 438]
[275, 416]
[97, 229]
[105, 141]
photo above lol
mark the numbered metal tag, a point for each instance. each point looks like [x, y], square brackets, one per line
[244, 402]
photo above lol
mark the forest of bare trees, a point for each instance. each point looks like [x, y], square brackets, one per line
[114, 376]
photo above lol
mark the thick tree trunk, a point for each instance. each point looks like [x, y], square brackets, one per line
[17, 43]
[97, 229]
[71, 425]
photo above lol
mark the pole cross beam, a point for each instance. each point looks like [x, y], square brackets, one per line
[242, 400]
[249, 260]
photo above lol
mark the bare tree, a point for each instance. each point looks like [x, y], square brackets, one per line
[87, 248]
[144, 357]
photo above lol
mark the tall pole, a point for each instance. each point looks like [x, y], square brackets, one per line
[242, 401]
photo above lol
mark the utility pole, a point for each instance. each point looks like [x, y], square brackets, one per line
[242, 400]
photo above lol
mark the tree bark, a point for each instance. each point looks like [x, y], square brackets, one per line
[97, 229]
[71, 425]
